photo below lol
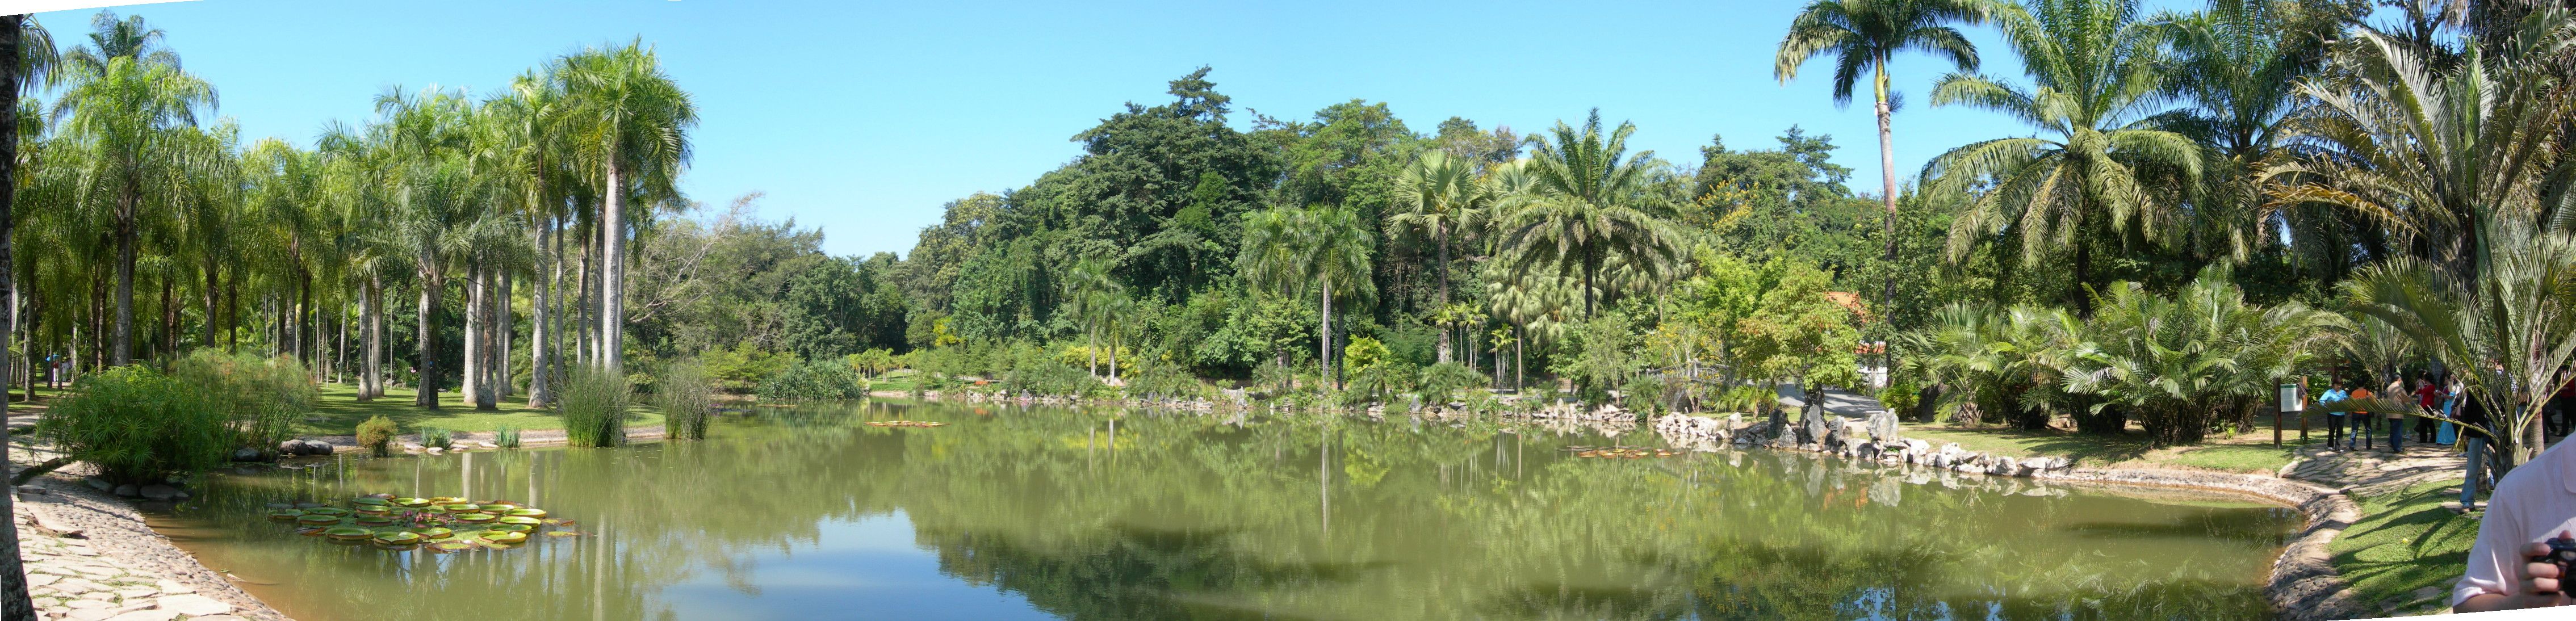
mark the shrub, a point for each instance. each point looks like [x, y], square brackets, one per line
[377, 435]
[1643, 394]
[741, 370]
[828, 380]
[140, 426]
[1440, 383]
[1901, 397]
[1031, 370]
[593, 405]
[506, 437]
[436, 437]
[260, 397]
[687, 397]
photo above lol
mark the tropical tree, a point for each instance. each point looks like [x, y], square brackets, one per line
[1585, 209]
[434, 194]
[2509, 330]
[2240, 63]
[127, 107]
[26, 58]
[2105, 168]
[1436, 195]
[1864, 36]
[1321, 250]
[1088, 292]
[629, 123]
[2185, 363]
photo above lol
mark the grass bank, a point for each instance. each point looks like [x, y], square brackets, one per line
[2250, 451]
[339, 412]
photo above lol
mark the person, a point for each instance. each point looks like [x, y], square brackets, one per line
[2428, 396]
[2450, 411]
[2531, 505]
[2562, 401]
[2363, 425]
[2396, 391]
[2334, 419]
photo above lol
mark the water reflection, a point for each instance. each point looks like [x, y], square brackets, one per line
[1107, 514]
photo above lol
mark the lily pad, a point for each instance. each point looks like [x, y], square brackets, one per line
[327, 511]
[451, 546]
[516, 528]
[285, 514]
[562, 533]
[502, 536]
[310, 532]
[533, 513]
[310, 505]
[348, 533]
[474, 518]
[368, 500]
[519, 519]
[374, 520]
[398, 539]
[446, 500]
[411, 502]
[434, 532]
[462, 508]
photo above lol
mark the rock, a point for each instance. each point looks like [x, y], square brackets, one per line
[436, 451]
[487, 445]
[245, 454]
[173, 587]
[146, 615]
[1882, 425]
[193, 605]
[2004, 466]
[162, 492]
[1918, 446]
[128, 490]
[90, 614]
[99, 483]
[86, 604]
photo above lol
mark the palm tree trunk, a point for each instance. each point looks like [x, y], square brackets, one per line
[538, 314]
[302, 320]
[470, 381]
[612, 273]
[1440, 271]
[505, 326]
[15, 602]
[1091, 340]
[486, 391]
[232, 314]
[1324, 335]
[211, 292]
[371, 376]
[169, 312]
[121, 346]
[425, 360]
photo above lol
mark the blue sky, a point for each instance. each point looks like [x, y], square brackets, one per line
[863, 118]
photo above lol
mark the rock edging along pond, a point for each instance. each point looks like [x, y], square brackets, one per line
[2304, 584]
[114, 552]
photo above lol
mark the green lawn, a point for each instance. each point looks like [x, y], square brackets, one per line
[339, 413]
[2405, 543]
[898, 380]
[2251, 451]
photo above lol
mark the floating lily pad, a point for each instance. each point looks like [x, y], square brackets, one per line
[433, 509]
[519, 519]
[562, 533]
[327, 511]
[310, 532]
[398, 538]
[451, 546]
[533, 513]
[434, 532]
[348, 533]
[462, 507]
[474, 518]
[502, 536]
[374, 520]
[368, 500]
[445, 500]
[412, 502]
[310, 505]
[516, 528]
[281, 505]
[373, 510]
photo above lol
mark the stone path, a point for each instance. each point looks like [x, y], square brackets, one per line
[72, 580]
[115, 566]
[2372, 472]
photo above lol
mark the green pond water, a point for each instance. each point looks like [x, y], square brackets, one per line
[1033, 513]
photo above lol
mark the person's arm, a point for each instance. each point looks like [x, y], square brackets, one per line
[2539, 588]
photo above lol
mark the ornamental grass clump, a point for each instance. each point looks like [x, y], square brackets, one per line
[686, 393]
[594, 408]
[506, 437]
[261, 397]
[140, 426]
[377, 435]
[436, 437]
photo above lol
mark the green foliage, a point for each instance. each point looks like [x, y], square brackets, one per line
[506, 437]
[828, 380]
[741, 369]
[1028, 368]
[377, 435]
[1442, 383]
[687, 397]
[261, 397]
[139, 426]
[1605, 355]
[593, 403]
[1644, 394]
[432, 436]
[1799, 334]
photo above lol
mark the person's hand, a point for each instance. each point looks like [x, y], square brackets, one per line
[2540, 580]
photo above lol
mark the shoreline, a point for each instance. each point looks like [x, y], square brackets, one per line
[114, 557]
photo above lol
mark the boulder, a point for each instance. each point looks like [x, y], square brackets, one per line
[99, 484]
[128, 490]
[246, 454]
[161, 492]
[2004, 466]
[1882, 425]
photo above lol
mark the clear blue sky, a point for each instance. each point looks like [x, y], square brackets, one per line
[863, 118]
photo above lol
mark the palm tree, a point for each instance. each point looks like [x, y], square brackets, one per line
[126, 108]
[1088, 291]
[1323, 250]
[2105, 166]
[26, 59]
[1864, 36]
[2509, 330]
[1586, 209]
[2240, 63]
[630, 123]
[434, 194]
[2188, 362]
[1438, 194]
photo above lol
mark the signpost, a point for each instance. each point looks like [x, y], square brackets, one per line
[2294, 400]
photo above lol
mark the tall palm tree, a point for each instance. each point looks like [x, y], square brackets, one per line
[434, 194]
[2239, 63]
[1322, 250]
[1864, 36]
[2104, 168]
[26, 55]
[630, 123]
[1088, 291]
[1437, 194]
[126, 109]
[1585, 208]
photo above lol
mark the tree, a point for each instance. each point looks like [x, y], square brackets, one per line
[1863, 36]
[630, 123]
[124, 106]
[2509, 330]
[2107, 171]
[1799, 335]
[2187, 362]
[1437, 194]
[1586, 209]
[434, 195]
[26, 59]
[1321, 250]
[1088, 293]
[2240, 63]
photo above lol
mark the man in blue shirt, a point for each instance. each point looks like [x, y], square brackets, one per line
[2334, 420]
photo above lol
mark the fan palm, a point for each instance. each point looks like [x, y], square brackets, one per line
[2187, 362]
[2509, 329]
[1863, 36]
[1585, 208]
[2098, 79]
[1437, 194]
[630, 123]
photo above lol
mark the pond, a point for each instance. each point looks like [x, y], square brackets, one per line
[1036, 513]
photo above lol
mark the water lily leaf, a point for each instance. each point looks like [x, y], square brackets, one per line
[318, 519]
[368, 500]
[412, 502]
[398, 539]
[434, 532]
[562, 533]
[348, 533]
[502, 536]
[519, 519]
[309, 532]
[374, 520]
[474, 518]
[451, 546]
[327, 511]
[533, 513]
[516, 528]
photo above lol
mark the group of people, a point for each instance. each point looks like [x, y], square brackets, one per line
[2437, 402]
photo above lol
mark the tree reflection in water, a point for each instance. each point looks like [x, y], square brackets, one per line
[1195, 517]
